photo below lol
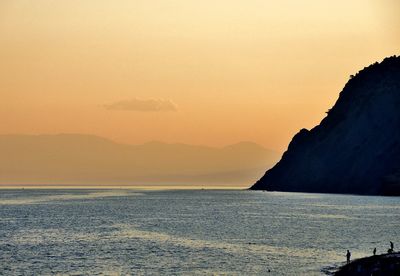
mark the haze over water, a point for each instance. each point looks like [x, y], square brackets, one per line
[188, 231]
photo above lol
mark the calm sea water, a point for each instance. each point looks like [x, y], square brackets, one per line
[120, 232]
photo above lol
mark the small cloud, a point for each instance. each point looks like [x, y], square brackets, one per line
[145, 105]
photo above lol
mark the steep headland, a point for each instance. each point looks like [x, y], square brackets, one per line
[356, 147]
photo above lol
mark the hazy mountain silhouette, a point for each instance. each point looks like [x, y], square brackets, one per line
[84, 159]
[356, 148]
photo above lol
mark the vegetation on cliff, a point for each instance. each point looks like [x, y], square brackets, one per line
[356, 147]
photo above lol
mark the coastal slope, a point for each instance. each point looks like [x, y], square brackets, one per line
[356, 147]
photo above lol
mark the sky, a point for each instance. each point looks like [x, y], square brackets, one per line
[209, 72]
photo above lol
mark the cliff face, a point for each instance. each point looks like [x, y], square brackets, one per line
[356, 148]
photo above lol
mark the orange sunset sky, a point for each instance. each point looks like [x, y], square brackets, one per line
[209, 72]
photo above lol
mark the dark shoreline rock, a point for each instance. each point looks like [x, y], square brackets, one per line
[385, 264]
[355, 149]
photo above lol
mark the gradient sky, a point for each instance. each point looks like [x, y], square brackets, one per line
[210, 72]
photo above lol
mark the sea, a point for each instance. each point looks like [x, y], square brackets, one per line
[189, 232]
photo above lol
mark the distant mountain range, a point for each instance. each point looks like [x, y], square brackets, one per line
[356, 148]
[75, 159]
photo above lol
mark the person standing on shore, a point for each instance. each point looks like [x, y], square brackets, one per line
[391, 246]
[374, 251]
[348, 255]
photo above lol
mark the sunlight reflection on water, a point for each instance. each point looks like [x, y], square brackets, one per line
[118, 232]
[40, 199]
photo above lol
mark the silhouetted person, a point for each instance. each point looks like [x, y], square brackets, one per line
[348, 255]
[391, 246]
[374, 251]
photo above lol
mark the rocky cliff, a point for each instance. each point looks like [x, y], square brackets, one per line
[356, 147]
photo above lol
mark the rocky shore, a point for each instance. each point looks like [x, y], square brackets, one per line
[385, 264]
[356, 147]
